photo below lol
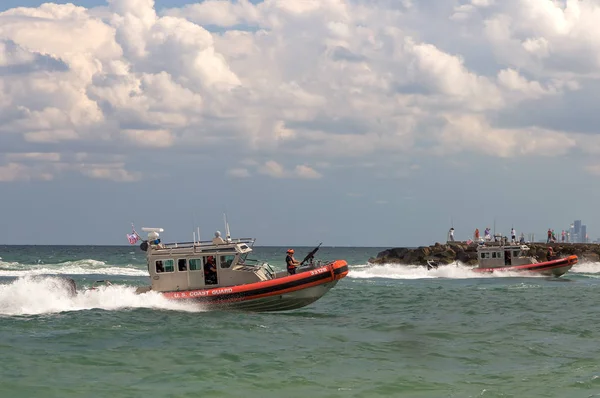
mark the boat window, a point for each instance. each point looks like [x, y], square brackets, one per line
[226, 261]
[164, 266]
[493, 254]
[182, 264]
[195, 264]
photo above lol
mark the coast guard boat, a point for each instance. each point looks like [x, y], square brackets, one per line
[498, 256]
[177, 271]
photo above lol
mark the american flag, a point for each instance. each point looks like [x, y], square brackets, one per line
[133, 238]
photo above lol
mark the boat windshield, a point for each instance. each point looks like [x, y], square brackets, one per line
[243, 258]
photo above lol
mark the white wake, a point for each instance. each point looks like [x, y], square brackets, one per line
[586, 268]
[451, 271]
[32, 296]
[79, 267]
[397, 271]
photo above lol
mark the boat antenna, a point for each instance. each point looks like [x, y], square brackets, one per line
[194, 223]
[227, 233]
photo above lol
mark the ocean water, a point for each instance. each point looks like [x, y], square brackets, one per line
[384, 331]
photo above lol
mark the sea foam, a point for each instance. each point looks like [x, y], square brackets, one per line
[78, 267]
[31, 295]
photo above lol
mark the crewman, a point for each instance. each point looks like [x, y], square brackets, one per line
[291, 262]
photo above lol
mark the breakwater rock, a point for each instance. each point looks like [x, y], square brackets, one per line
[467, 253]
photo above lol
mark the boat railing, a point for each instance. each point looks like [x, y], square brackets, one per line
[205, 243]
[269, 270]
[260, 265]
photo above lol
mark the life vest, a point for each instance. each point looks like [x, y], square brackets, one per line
[289, 262]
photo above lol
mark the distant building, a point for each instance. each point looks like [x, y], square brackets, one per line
[583, 234]
[577, 227]
[571, 234]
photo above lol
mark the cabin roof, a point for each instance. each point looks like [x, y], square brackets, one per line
[500, 247]
[243, 245]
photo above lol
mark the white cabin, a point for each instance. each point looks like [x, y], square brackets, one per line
[494, 256]
[181, 266]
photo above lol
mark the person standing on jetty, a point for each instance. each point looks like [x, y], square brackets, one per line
[486, 234]
[549, 235]
[513, 235]
[451, 235]
[476, 235]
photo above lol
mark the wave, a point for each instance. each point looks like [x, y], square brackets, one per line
[78, 267]
[586, 268]
[455, 270]
[32, 295]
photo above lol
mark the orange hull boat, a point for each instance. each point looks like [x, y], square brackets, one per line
[281, 293]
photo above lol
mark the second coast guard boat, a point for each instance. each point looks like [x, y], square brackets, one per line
[494, 257]
[219, 274]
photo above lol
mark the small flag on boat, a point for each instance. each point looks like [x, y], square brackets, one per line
[133, 238]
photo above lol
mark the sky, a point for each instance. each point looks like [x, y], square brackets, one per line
[353, 123]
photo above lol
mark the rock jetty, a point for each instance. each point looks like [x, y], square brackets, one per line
[467, 253]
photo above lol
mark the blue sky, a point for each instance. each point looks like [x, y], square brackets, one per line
[362, 123]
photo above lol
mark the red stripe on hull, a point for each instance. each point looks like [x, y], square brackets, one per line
[229, 293]
[537, 267]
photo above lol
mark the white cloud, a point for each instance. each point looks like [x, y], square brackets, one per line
[113, 172]
[593, 169]
[276, 170]
[513, 81]
[294, 82]
[50, 136]
[239, 172]
[34, 156]
[474, 133]
[150, 138]
[272, 169]
[12, 54]
[17, 172]
[303, 171]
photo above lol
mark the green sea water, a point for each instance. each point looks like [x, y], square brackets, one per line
[383, 331]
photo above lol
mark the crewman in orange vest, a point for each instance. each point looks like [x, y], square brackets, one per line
[291, 262]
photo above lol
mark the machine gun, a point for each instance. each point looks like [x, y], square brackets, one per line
[311, 255]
